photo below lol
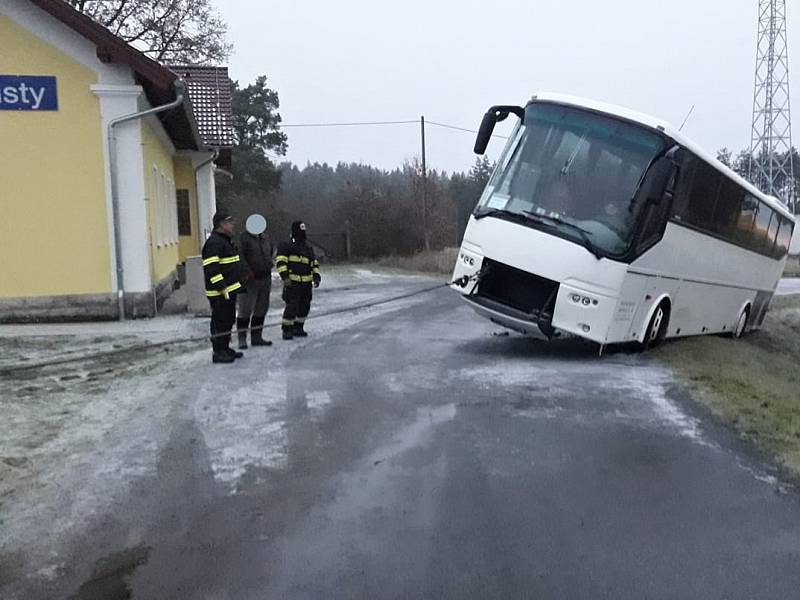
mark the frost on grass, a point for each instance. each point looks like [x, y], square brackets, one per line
[751, 383]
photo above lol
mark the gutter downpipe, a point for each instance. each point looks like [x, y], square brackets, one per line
[112, 167]
[200, 223]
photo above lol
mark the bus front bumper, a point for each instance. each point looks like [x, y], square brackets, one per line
[534, 326]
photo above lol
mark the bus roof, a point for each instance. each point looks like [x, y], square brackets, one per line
[666, 128]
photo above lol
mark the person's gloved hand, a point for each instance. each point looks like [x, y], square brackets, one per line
[316, 284]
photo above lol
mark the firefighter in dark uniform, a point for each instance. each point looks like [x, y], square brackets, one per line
[298, 267]
[223, 281]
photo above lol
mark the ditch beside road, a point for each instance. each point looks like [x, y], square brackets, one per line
[752, 384]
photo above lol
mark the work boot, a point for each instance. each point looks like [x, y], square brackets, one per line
[242, 325]
[287, 334]
[225, 347]
[218, 352]
[233, 353]
[256, 335]
[299, 331]
[222, 357]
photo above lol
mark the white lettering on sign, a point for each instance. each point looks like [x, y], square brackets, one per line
[23, 95]
[32, 92]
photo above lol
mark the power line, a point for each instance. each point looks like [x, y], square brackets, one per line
[354, 124]
[404, 122]
[446, 126]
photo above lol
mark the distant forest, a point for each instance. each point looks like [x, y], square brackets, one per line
[381, 211]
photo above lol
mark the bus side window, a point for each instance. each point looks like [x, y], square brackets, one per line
[683, 189]
[772, 233]
[744, 224]
[784, 238]
[703, 196]
[728, 208]
[758, 242]
[654, 222]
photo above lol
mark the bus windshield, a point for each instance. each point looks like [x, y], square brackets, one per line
[575, 171]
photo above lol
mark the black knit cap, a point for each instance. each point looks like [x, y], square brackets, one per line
[299, 231]
[219, 217]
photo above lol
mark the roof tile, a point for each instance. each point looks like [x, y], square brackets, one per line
[210, 93]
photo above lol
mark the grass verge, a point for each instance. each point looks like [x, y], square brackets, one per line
[440, 261]
[753, 383]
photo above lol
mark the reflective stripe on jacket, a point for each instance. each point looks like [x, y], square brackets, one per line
[221, 265]
[297, 262]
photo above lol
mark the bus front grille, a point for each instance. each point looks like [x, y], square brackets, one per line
[520, 290]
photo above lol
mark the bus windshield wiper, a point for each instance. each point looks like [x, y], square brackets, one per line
[498, 212]
[583, 233]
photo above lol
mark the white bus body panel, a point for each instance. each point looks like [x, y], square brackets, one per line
[709, 281]
[570, 264]
[706, 280]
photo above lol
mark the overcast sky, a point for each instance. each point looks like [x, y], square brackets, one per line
[376, 60]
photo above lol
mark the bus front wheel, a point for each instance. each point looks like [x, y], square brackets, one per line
[657, 328]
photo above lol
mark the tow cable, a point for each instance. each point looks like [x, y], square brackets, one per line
[206, 338]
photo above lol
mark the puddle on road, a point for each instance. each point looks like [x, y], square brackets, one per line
[110, 578]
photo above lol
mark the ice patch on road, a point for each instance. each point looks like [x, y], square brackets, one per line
[512, 373]
[316, 401]
[638, 392]
[51, 571]
[368, 274]
[651, 384]
[244, 429]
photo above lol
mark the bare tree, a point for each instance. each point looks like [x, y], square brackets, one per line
[169, 31]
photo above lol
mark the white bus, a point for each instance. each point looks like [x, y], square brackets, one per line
[612, 226]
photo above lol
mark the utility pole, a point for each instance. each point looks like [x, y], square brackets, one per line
[425, 233]
[771, 168]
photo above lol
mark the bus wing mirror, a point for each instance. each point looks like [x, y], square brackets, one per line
[485, 132]
[494, 115]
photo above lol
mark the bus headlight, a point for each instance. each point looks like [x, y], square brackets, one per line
[583, 300]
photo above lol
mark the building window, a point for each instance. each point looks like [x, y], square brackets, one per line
[165, 209]
[184, 212]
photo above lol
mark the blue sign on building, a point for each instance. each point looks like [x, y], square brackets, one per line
[28, 92]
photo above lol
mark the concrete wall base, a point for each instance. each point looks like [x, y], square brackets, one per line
[50, 309]
[86, 307]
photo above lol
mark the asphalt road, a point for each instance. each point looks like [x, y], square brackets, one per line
[416, 453]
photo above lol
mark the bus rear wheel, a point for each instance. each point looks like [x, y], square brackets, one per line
[741, 324]
[657, 328]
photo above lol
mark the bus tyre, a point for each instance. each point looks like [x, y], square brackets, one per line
[741, 324]
[657, 328]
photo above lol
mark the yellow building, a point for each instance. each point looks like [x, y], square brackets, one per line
[106, 171]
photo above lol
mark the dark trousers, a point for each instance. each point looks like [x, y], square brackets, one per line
[223, 316]
[298, 304]
[253, 301]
